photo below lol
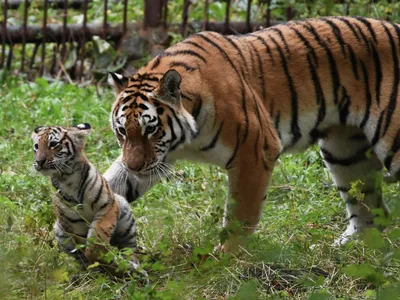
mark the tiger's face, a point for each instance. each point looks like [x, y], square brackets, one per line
[56, 148]
[149, 120]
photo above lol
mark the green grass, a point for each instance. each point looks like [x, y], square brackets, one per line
[179, 221]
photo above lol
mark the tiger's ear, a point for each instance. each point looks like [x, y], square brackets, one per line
[36, 131]
[117, 81]
[169, 92]
[81, 131]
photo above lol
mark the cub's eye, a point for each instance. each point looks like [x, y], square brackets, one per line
[122, 131]
[53, 144]
[150, 129]
[35, 147]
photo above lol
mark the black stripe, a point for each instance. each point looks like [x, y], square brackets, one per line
[265, 44]
[197, 107]
[227, 58]
[195, 44]
[182, 64]
[369, 27]
[128, 230]
[239, 51]
[83, 183]
[261, 71]
[228, 164]
[376, 137]
[349, 25]
[393, 96]
[378, 73]
[176, 53]
[130, 194]
[312, 65]
[183, 136]
[363, 37]
[171, 126]
[393, 150]
[140, 85]
[332, 64]
[98, 195]
[277, 30]
[71, 143]
[293, 96]
[367, 95]
[359, 156]
[214, 139]
[343, 106]
[353, 60]
[336, 33]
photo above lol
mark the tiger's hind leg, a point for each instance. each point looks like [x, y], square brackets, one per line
[347, 155]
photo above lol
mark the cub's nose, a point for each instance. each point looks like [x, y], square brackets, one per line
[39, 163]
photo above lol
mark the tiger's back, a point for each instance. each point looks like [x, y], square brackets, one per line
[253, 97]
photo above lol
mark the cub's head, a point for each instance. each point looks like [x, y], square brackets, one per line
[56, 149]
[149, 120]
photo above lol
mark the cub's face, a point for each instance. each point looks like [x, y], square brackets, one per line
[149, 120]
[57, 148]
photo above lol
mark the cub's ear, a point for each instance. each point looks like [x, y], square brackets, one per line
[117, 81]
[81, 131]
[83, 126]
[36, 131]
[168, 91]
[39, 129]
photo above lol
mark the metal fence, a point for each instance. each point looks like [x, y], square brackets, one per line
[19, 35]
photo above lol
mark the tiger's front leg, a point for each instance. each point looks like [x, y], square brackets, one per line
[249, 178]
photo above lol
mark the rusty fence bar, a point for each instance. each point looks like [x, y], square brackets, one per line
[105, 19]
[124, 26]
[24, 35]
[226, 26]
[4, 35]
[83, 42]
[44, 32]
[155, 15]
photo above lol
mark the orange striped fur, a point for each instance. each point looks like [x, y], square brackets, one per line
[241, 101]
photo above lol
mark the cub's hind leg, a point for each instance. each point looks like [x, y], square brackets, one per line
[349, 158]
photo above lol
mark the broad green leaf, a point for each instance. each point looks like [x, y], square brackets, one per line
[373, 239]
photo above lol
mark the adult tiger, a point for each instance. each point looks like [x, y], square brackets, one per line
[241, 101]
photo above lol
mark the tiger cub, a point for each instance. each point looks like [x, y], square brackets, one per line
[87, 211]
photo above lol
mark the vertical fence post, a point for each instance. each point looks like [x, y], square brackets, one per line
[64, 33]
[269, 13]
[205, 25]
[248, 17]
[124, 26]
[153, 13]
[4, 34]
[226, 25]
[44, 32]
[165, 14]
[105, 19]
[24, 28]
[185, 17]
[83, 41]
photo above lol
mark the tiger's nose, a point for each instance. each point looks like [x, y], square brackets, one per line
[39, 163]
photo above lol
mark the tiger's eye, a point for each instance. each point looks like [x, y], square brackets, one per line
[53, 144]
[122, 130]
[150, 129]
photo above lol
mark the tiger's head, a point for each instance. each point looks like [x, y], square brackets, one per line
[57, 149]
[149, 120]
